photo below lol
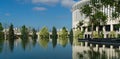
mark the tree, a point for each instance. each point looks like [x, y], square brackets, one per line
[87, 10]
[93, 12]
[24, 33]
[1, 27]
[80, 24]
[24, 36]
[34, 35]
[71, 36]
[11, 37]
[44, 33]
[1, 38]
[54, 37]
[54, 33]
[63, 33]
[1, 32]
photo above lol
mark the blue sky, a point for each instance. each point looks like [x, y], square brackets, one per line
[37, 13]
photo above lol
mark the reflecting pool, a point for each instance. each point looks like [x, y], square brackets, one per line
[55, 49]
[40, 49]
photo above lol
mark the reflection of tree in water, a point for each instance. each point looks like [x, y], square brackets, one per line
[24, 43]
[91, 54]
[54, 37]
[34, 41]
[63, 41]
[54, 42]
[34, 37]
[1, 44]
[71, 37]
[11, 45]
[43, 42]
[118, 53]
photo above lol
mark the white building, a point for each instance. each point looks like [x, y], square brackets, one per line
[78, 16]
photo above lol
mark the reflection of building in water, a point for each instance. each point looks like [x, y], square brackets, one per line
[85, 52]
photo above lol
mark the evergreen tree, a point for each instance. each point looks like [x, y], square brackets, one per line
[11, 33]
[1, 31]
[54, 33]
[54, 37]
[1, 27]
[24, 33]
[71, 36]
[11, 37]
[1, 38]
[24, 36]
[34, 35]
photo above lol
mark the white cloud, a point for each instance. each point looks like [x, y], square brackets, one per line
[39, 8]
[67, 3]
[64, 3]
[45, 1]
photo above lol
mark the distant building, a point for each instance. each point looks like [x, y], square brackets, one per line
[110, 26]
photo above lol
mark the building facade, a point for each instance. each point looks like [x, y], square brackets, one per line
[111, 24]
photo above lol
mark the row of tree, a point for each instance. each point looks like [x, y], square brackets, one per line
[63, 34]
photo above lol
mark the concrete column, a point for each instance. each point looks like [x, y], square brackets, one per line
[119, 47]
[103, 47]
[90, 45]
[86, 29]
[111, 46]
[96, 47]
[81, 28]
[103, 28]
[111, 27]
[104, 35]
[81, 43]
[96, 28]
[86, 44]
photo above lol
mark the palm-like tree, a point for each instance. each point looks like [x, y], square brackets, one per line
[87, 11]
[92, 12]
[80, 23]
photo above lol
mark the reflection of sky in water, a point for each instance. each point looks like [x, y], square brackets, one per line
[37, 51]
[86, 52]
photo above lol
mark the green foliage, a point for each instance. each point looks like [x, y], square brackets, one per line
[11, 38]
[101, 34]
[44, 42]
[1, 35]
[112, 34]
[1, 45]
[95, 34]
[80, 24]
[11, 35]
[54, 37]
[54, 33]
[24, 32]
[63, 41]
[118, 36]
[1, 32]
[1, 27]
[63, 33]
[92, 11]
[24, 43]
[44, 33]
[71, 36]
[34, 35]
[78, 34]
